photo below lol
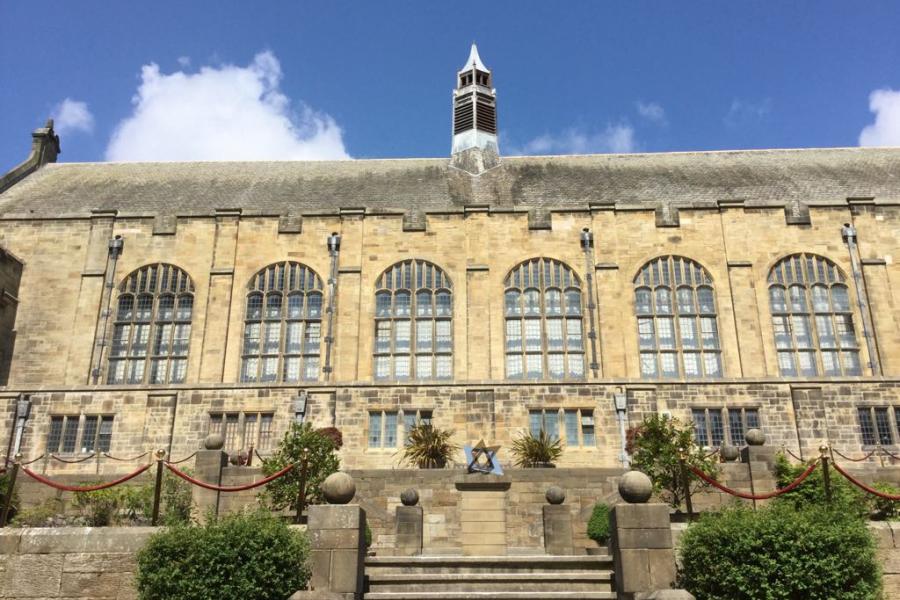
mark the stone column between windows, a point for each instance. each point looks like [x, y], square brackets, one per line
[82, 348]
[615, 322]
[751, 361]
[213, 352]
[351, 359]
[885, 312]
[478, 325]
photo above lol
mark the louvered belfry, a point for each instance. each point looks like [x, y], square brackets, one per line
[474, 107]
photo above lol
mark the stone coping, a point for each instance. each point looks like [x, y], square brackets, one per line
[801, 382]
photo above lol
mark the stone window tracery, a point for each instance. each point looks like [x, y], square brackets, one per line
[544, 330]
[678, 333]
[152, 328]
[413, 322]
[282, 325]
[812, 318]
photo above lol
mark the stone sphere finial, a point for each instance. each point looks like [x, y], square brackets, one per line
[409, 497]
[635, 487]
[729, 453]
[555, 495]
[755, 437]
[338, 488]
[214, 441]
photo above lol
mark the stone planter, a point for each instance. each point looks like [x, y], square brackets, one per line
[543, 465]
[597, 550]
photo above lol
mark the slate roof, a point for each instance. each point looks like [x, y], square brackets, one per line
[758, 177]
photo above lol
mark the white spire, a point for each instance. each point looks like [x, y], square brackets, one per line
[474, 61]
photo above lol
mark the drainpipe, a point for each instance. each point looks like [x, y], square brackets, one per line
[115, 250]
[587, 246]
[620, 400]
[334, 249]
[21, 413]
[848, 232]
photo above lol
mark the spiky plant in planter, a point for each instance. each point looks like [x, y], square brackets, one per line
[541, 450]
[429, 447]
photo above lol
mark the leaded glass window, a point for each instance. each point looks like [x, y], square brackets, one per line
[544, 322]
[282, 325]
[678, 334]
[711, 425]
[413, 322]
[812, 318]
[152, 327]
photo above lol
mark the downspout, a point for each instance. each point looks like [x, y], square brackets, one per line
[334, 249]
[21, 411]
[115, 250]
[587, 245]
[848, 232]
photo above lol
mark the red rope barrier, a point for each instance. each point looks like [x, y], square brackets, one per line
[863, 486]
[237, 488]
[33, 460]
[732, 492]
[87, 488]
[845, 457]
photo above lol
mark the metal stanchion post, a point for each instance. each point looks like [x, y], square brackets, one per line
[157, 489]
[7, 500]
[686, 483]
[301, 494]
[826, 476]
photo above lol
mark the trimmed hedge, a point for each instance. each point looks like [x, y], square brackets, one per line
[241, 556]
[779, 553]
[598, 525]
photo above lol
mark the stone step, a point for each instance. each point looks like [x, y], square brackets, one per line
[539, 595]
[378, 565]
[588, 581]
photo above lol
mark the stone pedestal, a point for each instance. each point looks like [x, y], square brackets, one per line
[338, 537]
[409, 531]
[558, 530]
[482, 515]
[641, 545]
[763, 454]
[208, 467]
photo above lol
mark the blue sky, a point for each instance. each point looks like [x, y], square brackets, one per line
[373, 79]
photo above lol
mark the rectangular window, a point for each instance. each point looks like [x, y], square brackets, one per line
[700, 433]
[588, 438]
[231, 431]
[866, 426]
[716, 430]
[710, 425]
[883, 426]
[55, 435]
[571, 417]
[89, 433]
[383, 427]
[739, 421]
[104, 437]
[265, 430]
[70, 434]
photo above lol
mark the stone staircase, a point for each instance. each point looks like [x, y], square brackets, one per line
[507, 577]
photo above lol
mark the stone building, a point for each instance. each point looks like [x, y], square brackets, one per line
[144, 305]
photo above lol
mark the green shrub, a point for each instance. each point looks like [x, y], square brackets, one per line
[4, 487]
[598, 524]
[654, 446]
[176, 500]
[882, 508]
[250, 555]
[323, 461]
[428, 447]
[845, 497]
[368, 536]
[779, 553]
[42, 515]
[532, 450]
[100, 507]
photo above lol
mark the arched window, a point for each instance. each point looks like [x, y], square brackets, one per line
[544, 333]
[152, 327]
[413, 322]
[282, 325]
[812, 318]
[676, 317]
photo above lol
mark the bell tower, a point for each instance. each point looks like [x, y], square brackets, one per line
[475, 117]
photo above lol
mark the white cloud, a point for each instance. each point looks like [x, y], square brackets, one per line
[222, 113]
[652, 111]
[742, 112]
[617, 138]
[184, 61]
[885, 131]
[70, 116]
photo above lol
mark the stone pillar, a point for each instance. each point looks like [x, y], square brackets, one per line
[760, 462]
[337, 532]
[208, 465]
[409, 525]
[641, 540]
[557, 524]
